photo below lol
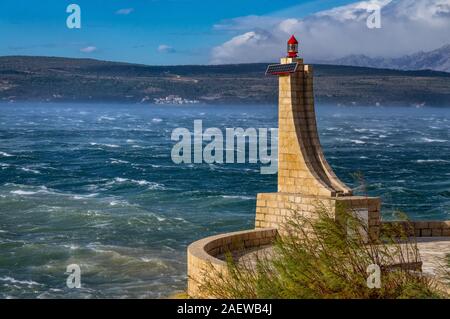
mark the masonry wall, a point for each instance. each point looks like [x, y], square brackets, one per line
[420, 228]
[274, 209]
[205, 256]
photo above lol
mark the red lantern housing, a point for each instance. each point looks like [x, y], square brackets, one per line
[292, 47]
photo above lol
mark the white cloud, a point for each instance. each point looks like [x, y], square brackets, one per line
[353, 12]
[164, 48]
[289, 25]
[125, 11]
[407, 26]
[89, 49]
[245, 46]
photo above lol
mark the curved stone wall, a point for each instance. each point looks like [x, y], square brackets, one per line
[421, 228]
[205, 253]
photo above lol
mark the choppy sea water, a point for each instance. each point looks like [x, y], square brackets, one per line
[95, 185]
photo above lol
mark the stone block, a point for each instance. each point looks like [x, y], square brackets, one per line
[426, 232]
[420, 225]
[446, 232]
[436, 232]
[435, 225]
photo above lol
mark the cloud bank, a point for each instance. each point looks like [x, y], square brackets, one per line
[407, 26]
[164, 48]
[88, 49]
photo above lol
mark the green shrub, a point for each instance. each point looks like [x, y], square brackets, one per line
[326, 257]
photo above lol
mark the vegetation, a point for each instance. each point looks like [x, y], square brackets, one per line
[51, 79]
[325, 258]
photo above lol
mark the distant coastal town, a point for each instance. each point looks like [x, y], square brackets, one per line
[174, 99]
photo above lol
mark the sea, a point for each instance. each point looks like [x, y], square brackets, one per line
[94, 185]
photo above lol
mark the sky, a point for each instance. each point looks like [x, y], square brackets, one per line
[222, 31]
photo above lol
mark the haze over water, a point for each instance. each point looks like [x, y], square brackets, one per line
[95, 185]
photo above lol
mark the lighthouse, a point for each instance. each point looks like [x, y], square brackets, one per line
[304, 176]
[292, 47]
[306, 183]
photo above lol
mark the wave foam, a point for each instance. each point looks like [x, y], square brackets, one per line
[432, 161]
[118, 161]
[21, 192]
[29, 170]
[4, 154]
[431, 140]
[237, 197]
[107, 118]
[105, 145]
[151, 185]
[20, 282]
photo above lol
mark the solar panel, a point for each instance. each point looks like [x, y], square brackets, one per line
[278, 69]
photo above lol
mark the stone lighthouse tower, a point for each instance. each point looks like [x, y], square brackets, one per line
[305, 179]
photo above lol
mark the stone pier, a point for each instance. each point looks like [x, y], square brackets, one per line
[306, 182]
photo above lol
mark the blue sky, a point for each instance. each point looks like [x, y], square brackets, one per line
[185, 31]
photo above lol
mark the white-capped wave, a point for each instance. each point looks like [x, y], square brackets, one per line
[237, 197]
[4, 154]
[118, 161]
[433, 140]
[107, 118]
[159, 218]
[117, 202]
[432, 161]
[156, 120]
[27, 191]
[151, 185]
[71, 247]
[29, 170]
[20, 282]
[105, 145]
[22, 192]
[85, 196]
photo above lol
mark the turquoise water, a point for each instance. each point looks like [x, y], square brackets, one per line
[94, 185]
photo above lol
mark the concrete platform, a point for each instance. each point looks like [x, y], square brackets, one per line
[432, 250]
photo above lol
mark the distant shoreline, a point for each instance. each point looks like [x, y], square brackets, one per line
[46, 79]
[205, 105]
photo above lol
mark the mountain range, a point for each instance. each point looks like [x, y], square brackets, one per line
[55, 79]
[438, 60]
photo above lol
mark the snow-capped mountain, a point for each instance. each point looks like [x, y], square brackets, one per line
[438, 60]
